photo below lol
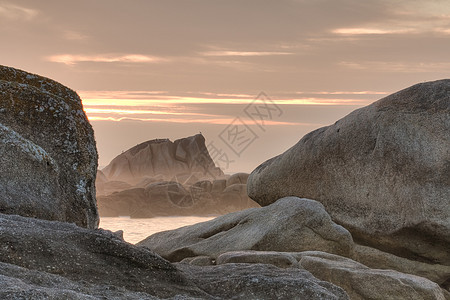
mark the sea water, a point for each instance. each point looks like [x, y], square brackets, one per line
[135, 230]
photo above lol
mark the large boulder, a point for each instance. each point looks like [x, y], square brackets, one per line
[42, 259]
[382, 172]
[290, 224]
[163, 157]
[48, 156]
[93, 257]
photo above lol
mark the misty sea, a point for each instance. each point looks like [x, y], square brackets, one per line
[135, 230]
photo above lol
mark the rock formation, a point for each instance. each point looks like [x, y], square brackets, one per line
[290, 224]
[382, 172]
[169, 198]
[163, 157]
[48, 156]
[297, 252]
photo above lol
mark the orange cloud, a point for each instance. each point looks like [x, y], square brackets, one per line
[215, 121]
[70, 59]
[243, 53]
[362, 31]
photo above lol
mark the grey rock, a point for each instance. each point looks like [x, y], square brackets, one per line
[199, 261]
[361, 282]
[377, 259]
[235, 198]
[218, 186]
[47, 149]
[59, 256]
[237, 178]
[290, 224]
[279, 259]
[259, 281]
[382, 172]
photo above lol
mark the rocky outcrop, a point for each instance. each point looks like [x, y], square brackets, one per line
[48, 156]
[382, 172]
[44, 259]
[377, 259]
[290, 224]
[168, 178]
[170, 198]
[96, 257]
[361, 282]
[163, 157]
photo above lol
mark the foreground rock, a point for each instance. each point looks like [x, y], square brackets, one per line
[260, 281]
[52, 260]
[382, 172]
[187, 156]
[290, 224]
[361, 282]
[48, 157]
[96, 257]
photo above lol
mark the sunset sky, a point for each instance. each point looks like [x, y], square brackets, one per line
[169, 69]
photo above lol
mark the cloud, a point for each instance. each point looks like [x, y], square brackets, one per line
[202, 108]
[70, 59]
[244, 53]
[215, 121]
[16, 12]
[399, 67]
[344, 93]
[363, 31]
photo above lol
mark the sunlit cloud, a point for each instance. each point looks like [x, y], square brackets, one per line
[159, 106]
[244, 53]
[345, 93]
[122, 111]
[70, 59]
[216, 121]
[193, 100]
[367, 31]
[16, 12]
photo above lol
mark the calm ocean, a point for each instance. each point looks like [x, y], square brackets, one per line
[135, 230]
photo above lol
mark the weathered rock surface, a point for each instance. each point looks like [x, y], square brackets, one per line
[163, 157]
[377, 259]
[361, 282]
[290, 224]
[42, 259]
[48, 157]
[96, 257]
[259, 281]
[382, 172]
[279, 259]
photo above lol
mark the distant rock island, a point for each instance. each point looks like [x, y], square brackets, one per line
[164, 178]
[356, 210]
[165, 160]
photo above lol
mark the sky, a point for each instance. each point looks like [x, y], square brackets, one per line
[253, 76]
